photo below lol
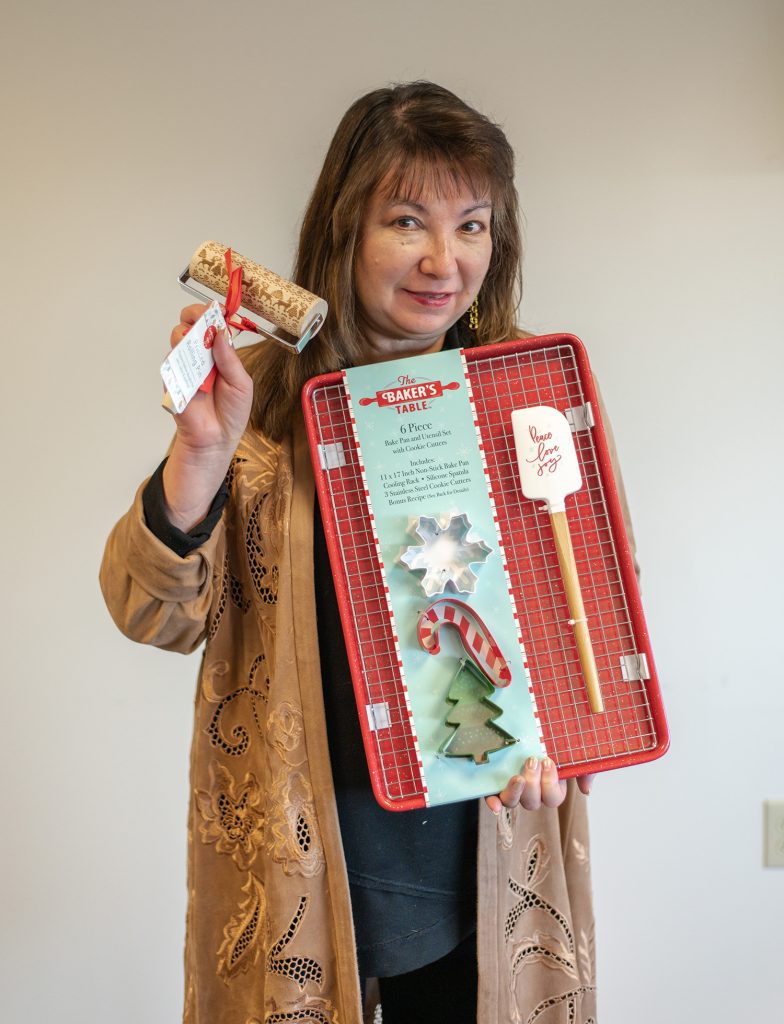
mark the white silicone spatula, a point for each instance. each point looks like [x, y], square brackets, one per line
[549, 471]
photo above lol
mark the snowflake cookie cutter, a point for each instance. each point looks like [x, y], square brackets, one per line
[445, 555]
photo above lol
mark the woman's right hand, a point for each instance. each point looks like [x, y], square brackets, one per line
[208, 431]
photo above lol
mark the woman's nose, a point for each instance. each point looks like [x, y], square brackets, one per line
[439, 260]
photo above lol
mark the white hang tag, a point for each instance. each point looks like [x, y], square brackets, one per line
[189, 363]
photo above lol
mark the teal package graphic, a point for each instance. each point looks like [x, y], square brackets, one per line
[433, 518]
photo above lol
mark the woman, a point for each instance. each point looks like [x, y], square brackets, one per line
[300, 886]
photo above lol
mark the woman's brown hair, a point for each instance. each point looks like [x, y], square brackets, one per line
[414, 138]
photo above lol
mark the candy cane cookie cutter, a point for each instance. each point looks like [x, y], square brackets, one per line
[476, 638]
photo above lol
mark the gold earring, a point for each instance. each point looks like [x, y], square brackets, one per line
[473, 314]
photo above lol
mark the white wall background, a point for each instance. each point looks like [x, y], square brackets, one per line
[650, 139]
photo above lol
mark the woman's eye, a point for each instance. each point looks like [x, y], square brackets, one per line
[474, 227]
[406, 222]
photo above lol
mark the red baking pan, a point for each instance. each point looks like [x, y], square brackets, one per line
[551, 371]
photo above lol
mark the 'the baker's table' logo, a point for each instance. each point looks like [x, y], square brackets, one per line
[410, 394]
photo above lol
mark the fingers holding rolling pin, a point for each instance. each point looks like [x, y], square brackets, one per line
[208, 430]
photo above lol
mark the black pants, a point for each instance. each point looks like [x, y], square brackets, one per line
[443, 992]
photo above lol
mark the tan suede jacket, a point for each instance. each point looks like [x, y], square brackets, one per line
[269, 931]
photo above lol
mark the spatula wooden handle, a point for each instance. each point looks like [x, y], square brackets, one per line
[574, 597]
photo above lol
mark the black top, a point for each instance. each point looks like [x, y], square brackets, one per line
[412, 874]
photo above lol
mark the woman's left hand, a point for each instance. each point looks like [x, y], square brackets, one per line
[537, 786]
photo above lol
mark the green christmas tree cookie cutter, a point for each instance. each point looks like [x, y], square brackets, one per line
[473, 717]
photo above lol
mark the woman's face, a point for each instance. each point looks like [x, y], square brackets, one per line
[419, 266]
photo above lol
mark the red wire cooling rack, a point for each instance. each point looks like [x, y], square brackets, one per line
[551, 370]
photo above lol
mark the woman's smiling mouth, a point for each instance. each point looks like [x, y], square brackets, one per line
[434, 299]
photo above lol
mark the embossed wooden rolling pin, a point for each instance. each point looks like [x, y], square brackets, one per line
[243, 285]
[549, 471]
[282, 304]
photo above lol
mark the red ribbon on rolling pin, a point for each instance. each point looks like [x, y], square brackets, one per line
[230, 307]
